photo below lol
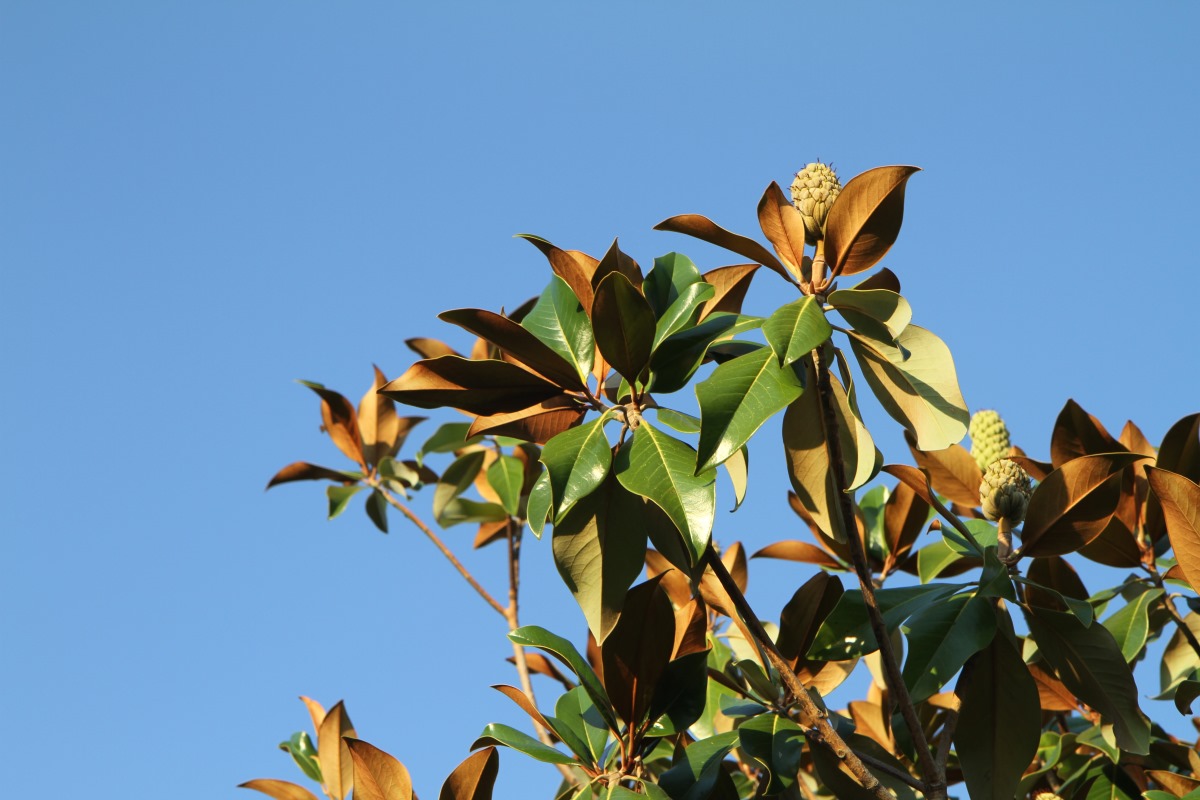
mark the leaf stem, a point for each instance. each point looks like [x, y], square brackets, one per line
[811, 716]
[441, 546]
[843, 510]
[1169, 602]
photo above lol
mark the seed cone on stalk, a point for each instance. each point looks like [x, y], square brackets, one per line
[989, 438]
[1004, 493]
[813, 192]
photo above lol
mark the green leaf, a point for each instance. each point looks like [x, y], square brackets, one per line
[738, 467]
[537, 509]
[776, 744]
[496, 733]
[695, 776]
[1089, 662]
[339, 496]
[455, 480]
[683, 312]
[506, 475]
[984, 532]
[623, 324]
[935, 557]
[846, 632]
[678, 357]
[560, 322]
[671, 276]
[941, 638]
[564, 651]
[1185, 693]
[577, 461]
[446, 439]
[1081, 609]
[304, 753]
[796, 329]
[879, 313]
[377, 510]
[999, 722]
[737, 399]
[461, 510]
[677, 420]
[1130, 626]
[599, 548]
[916, 383]
[576, 711]
[660, 468]
[1101, 738]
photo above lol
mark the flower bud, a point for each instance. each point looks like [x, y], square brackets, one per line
[813, 192]
[989, 438]
[1004, 493]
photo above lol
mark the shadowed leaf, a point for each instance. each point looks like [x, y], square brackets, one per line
[865, 219]
[495, 733]
[1072, 506]
[783, 226]
[303, 471]
[1180, 500]
[616, 261]
[803, 615]
[795, 550]
[846, 632]
[280, 790]
[678, 357]
[474, 778]
[940, 640]
[637, 650]
[623, 324]
[478, 387]
[517, 342]
[430, 348]
[340, 421]
[564, 651]
[904, 517]
[377, 775]
[705, 229]
[916, 384]
[538, 423]
[506, 475]
[1173, 782]
[1077, 433]
[999, 722]
[575, 268]
[731, 284]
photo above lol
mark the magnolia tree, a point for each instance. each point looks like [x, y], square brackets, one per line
[994, 671]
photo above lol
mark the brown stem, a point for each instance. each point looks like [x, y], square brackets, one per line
[433, 537]
[888, 769]
[1169, 603]
[843, 511]
[811, 716]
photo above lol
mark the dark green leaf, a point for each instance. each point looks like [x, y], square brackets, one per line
[796, 329]
[623, 324]
[559, 320]
[680, 355]
[564, 651]
[1185, 694]
[339, 496]
[577, 461]
[776, 744]
[496, 733]
[541, 499]
[935, 557]
[941, 638]
[461, 510]
[737, 399]
[680, 696]
[301, 748]
[661, 469]
[576, 711]
[377, 510]
[999, 722]
[694, 777]
[671, 276]
[683, 312]
[846, 632]
[456, 479]
[677, 420]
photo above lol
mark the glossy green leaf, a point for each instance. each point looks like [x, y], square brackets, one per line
[519, 344]
[796, 329]
[694, 777]
[456, 479]
[879, 313]
[683, 312]
[576, 711]
[661, 469]
[599, 548]
[677, 420]
[941, 638]
[377, 510]
[1089, 662]
[496, 733]
[846, 632]
[461, 510]
[1130, 625]
[984, 532]
[1080, 609]
[564, 651]
[446, 439]
[670, 277]
[935, 557]
[304, 753]
[775, 744]
[737, 399]
[999, 722]
[623, 324]
[339, 496]
[559, 320]
[577, 461]
[541, 499]
[678, 357]
[506, 475]
[916, 383]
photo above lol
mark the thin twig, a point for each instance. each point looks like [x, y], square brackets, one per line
[1169, 603]
[812, 717]
[433, 537]
[888, 769]
[934, 778]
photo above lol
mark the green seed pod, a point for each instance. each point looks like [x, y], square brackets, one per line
[1004, 493]
[989, 438]
[813, 192]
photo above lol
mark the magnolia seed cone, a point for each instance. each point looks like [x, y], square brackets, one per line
[813, 192]
[989, 438]
[1004, 493]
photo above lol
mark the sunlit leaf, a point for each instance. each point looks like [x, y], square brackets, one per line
[478, 387]
[1089, 662]
[661, 468]
[737, 399]
[705, 229]
[378, 775]
[505, 475]
[280, 790]
[430, 348]
[796, 329]
[340, 422]
[731, 284]
[865, 219]
[456, 479]
[303, 471]
[668, 280]
[519, 343]
[577, 461]
[916, 383]
[576, 712]
[783, 226]
[623, 324]
[538, 423]
[564, 651]
[337, 768]
[382, 431]
[1077, 433]
[1180, 501]
[775, 744]
[1073, 504]
[952, 471]
[541, 501]
[678, 357]
[496, 733]
[683, 312]
[574, 268]
[304, 753]
[940, 640]
[1178, 453]
[599, 546]
[999, 722]
[795, 550]
[1130, 626]
[339, 496]
[474, 778]
[879, 313]
[560, 321]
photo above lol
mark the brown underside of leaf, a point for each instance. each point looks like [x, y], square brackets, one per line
[474, 778]
[705, 229]
[783, 226]
[378, 775]
[865, 219]
[1077, 433]
[280, 790]
[430, 348]
[517, 343]
[952, 472]
[303, 471]
[477, 387]
[796, 550]
[731, 284]
[337, 768]
[1180, 499]
[572, 266]
[539, 423]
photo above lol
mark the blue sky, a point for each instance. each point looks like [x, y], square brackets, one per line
[201, 202]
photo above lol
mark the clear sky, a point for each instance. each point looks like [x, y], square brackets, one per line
[200, 202]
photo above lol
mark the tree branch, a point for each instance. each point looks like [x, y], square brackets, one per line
[843, 511]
